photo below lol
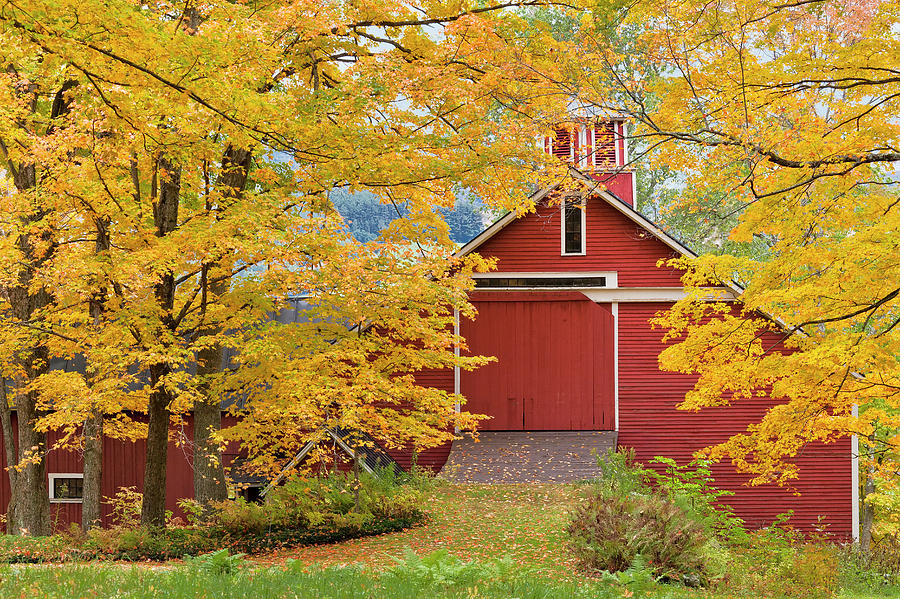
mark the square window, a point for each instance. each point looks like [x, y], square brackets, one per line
[66, 488]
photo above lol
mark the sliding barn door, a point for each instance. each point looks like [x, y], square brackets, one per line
[554, 368]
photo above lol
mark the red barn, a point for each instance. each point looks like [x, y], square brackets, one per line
[566, 313]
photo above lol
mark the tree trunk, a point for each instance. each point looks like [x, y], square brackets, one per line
[165, 217]
[32, 502]
[153, 507]
[29, 504]
[92, 431]
[867, 510]
[209, 472]
[93, 468]
[9, 448]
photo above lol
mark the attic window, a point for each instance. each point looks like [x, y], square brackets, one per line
[573, 227]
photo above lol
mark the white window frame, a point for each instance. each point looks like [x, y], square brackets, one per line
[562, 229]
[616, 137]
[51, 490]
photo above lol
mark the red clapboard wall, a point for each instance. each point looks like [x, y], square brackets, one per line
[614, 243]
[435, 457]
[554, 368]
[649, 422]
[123, 466]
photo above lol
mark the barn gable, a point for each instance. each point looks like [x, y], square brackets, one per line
[617, 239]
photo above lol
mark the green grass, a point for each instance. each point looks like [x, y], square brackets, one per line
[473, 522]
[75, 582]
[470, 528]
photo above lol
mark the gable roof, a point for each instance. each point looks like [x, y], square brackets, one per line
[597, 190]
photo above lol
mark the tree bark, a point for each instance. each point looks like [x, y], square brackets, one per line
[31, 500]
[867, 510]
[209, 472]
[9, 448]
[165, 217]
[93, 470]
[92, 431]
[153, 506]
[32, 503]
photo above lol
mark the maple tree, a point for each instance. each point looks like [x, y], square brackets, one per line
[171, 164]
[784, 114]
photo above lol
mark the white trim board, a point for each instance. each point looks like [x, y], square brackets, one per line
[615, 314]
[651, 294]
[457, 381]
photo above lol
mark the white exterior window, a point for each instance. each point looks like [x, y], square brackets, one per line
[66, 488]
[574, 224]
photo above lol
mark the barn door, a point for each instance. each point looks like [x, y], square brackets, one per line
[554, 368]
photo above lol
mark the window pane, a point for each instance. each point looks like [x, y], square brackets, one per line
[68, 488]
[573, 229]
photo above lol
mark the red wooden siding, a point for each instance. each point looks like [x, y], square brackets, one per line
[555, 362]
[649, 422]
[614, 243]
[620, 185]
[433, 458]
[123, 466]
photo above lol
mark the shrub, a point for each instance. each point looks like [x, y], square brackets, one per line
[692, 483]
[608, 532]
[126, 507]
[812, 571]
[301, 512]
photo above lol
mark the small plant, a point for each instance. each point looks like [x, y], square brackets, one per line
[619, 474]
[443, 569]
[691, 483]
[637, 579]
[219, 562]
[193, 510]
[126, 507]
[812, 569]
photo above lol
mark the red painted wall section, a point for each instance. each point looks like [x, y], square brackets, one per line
[554, 368]
[433, 458]
[620, 185]
[649, 422]
[614, 243]
[123, 466]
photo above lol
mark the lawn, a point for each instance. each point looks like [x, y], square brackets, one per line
[473, 522]
[480, 541]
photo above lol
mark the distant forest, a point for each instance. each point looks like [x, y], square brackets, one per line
[366, 216]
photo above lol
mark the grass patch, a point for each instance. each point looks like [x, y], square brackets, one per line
[453, 555]
[525, 522]
[437, 577]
